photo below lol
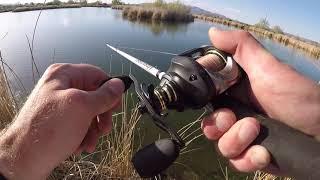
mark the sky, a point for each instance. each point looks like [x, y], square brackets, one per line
[294, 16]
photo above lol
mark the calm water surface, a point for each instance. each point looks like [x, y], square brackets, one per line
[80, 35]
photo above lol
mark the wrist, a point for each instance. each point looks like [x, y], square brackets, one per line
[8, 156]
[14, 157]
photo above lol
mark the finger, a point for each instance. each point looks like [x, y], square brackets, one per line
[239, 137]
[117, 106]
[253, 159]
[89, 142]
[215, 125]
[246, 50]
[107, 96]
[80, 76]
[105, 122]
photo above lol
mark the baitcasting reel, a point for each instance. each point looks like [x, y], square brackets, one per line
[186, 85]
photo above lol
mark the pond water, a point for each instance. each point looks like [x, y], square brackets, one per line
[80, 36]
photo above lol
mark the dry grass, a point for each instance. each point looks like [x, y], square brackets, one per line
[310, 49]
[171, 12]
[7, 105]
[112, 158]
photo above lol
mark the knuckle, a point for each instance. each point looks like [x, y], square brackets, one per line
[228, 151]
[75, 97]
[251, 120]
[56, 69]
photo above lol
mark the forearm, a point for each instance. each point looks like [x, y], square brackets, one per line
[15, 160]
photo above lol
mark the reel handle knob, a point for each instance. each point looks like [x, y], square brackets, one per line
[156, 157]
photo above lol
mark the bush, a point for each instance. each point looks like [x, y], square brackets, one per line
[277, 29]
[117, 2]
[263, 23]
[55, 2]
[159, 11]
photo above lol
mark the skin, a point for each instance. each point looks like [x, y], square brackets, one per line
[272, 88]
[68, 111]
[58, 119]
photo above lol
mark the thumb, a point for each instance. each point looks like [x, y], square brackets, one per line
[246, 50]
[107, 96]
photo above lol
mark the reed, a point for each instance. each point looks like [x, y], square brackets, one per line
[112, 158]
[8, 108]
[276, 34]
[170, 12]
[118, 7]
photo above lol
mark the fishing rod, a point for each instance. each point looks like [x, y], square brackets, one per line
[201, 78]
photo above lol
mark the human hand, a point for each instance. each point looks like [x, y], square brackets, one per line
[58, 119]
[272, 88]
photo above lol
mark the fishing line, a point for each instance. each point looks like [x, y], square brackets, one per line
[148, 50]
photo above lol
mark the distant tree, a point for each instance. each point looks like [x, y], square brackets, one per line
[277, 29]
[83, 2]
[159, 3]
[98, 2]
[71, 2]
[54, 2]
[117, 2]
[263, 23]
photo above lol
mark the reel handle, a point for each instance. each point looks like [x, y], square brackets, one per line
[292, 151]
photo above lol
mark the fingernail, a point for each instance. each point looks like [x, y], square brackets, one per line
[221, 123]
[260, 157]
[116, 86]
[247, 132]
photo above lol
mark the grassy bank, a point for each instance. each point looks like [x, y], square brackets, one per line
[7, 105]
[170, 12]
[22, 9]
[311, 49]
[118, 7]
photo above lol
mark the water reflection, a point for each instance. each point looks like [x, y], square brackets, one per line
[159, 27]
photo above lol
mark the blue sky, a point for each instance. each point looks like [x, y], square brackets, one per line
[294, 16]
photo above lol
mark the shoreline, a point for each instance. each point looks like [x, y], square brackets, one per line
[308, 48]
[36, 8]
[48, 7]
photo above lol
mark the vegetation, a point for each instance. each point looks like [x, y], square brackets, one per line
[21, 9]
[309, 47]
[263, 23]
[117, 2]
[112, 159]
[55, 4]
[277, 29]
[159, 11]
[7, 105]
